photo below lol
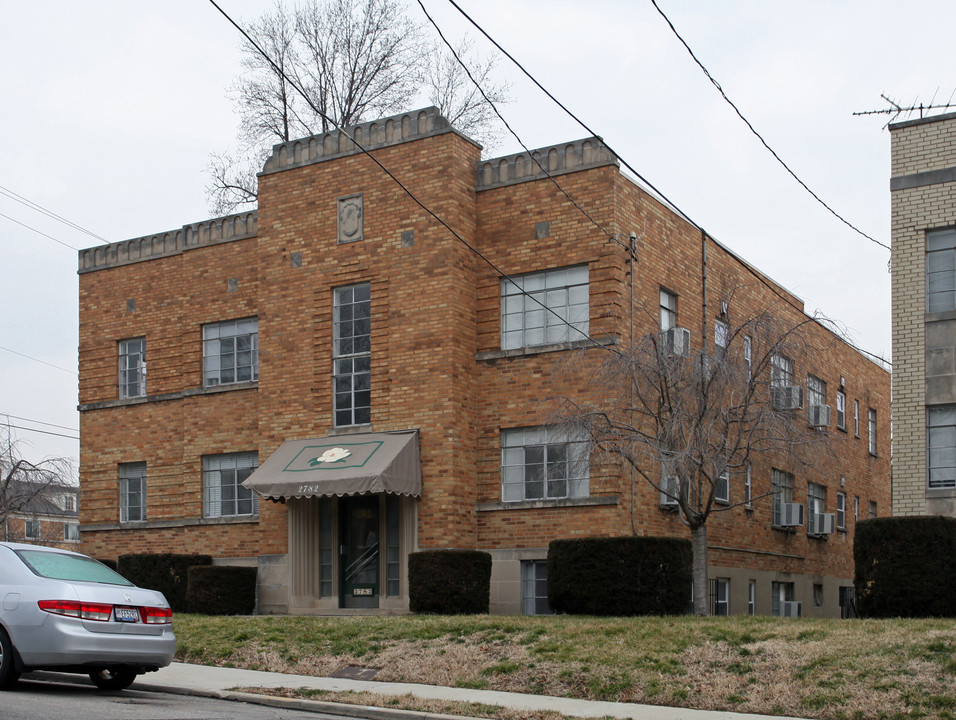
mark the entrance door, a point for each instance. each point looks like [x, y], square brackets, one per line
[359, 544]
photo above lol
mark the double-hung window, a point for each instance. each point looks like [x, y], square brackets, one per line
[223, 493]
[721, 338]
[816, 395]
[31, 529]
[545, 307]
[941, 446]
[668, 309]
[230, 352]
[872, 431]
[543, 463]
[841, 511]
[722, 487]
[941, 270]
[132, 368]
[352, 355]
[132, 481]
[841, 409]
[781, 592]
[816, 505]
[781, 371]
[782, 493]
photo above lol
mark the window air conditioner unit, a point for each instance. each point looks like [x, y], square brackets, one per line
[820, 415]
[789, 397]
[791, 609]
[671, 485]
[822, 524]
[676, 342]
[791, 515]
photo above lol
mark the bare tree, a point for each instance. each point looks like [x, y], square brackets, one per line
[457, 96]
[685, 421]
[353, 60]
[26, 486]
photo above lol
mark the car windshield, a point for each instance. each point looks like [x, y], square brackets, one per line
[73, 568]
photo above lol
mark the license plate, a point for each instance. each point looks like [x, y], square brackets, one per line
[126, 614]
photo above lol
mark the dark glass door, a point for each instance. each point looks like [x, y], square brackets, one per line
[359, 545]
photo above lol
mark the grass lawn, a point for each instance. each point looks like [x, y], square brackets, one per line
[837, 669]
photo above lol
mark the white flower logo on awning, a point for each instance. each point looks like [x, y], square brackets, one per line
[332, 455]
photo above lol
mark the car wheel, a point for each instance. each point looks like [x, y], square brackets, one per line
[8, 670]
[107, 679]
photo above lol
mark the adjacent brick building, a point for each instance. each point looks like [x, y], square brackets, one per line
[368, 366]
[923, 186]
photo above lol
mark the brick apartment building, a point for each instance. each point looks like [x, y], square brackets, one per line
[41, 513]
[923, 190]
[384, 391]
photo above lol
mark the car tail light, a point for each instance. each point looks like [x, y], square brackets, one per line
[72, 608]
[156, 615]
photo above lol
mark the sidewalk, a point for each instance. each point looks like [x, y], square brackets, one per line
[205, 680]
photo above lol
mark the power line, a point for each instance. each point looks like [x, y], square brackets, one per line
[39, 422]
[29, 357]
[39, 232]
[758, 135]
[758, 276]
[49, 213]
[494, 107]
[43, 432]
[401, 185]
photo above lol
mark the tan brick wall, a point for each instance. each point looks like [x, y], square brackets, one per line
[434, 306]
[916, 148]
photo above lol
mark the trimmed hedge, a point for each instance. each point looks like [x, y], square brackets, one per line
[449, 582]
[166, 572]
[109, 562]
[221, 590]
[905, 567]
[620, 576]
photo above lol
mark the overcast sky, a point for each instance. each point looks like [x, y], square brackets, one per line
[109, 110]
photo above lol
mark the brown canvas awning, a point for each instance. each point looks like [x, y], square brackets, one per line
[341, 465]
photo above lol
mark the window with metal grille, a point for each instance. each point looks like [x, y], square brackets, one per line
[132, 368]
[541, 463]
[352, 355]
[224, 495]
[132, 480]
[542, 308]
[230, 352]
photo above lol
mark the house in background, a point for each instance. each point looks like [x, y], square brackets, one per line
[328, 384]
[42, 514]
[923, 190]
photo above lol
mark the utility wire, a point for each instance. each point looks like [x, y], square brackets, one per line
[494, 107]
[43, 432]
[28, 357]
[400, 184]
[760, 278]
[49, 213]
[758, 135]
[38, 422]
[39, 232]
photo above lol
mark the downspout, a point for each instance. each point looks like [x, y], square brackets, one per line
[632, 260]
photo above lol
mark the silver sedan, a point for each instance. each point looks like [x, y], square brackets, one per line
[63, 611]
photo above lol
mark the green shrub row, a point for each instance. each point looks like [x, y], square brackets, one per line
[191, 583]
[449, 582]
[620, 576]
[905, 567]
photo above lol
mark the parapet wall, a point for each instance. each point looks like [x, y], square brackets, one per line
[393, 130]
[173, 242]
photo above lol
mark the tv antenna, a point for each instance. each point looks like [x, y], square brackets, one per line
[896, 110]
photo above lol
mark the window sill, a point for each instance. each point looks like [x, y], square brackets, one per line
[188, 392]
[486, 355]
[547, 504]
[168, 524]
[940, 316]
[932, 493]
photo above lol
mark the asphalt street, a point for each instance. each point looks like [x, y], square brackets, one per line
[43, 700]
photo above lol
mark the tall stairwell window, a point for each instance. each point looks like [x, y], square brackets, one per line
[352, 355]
